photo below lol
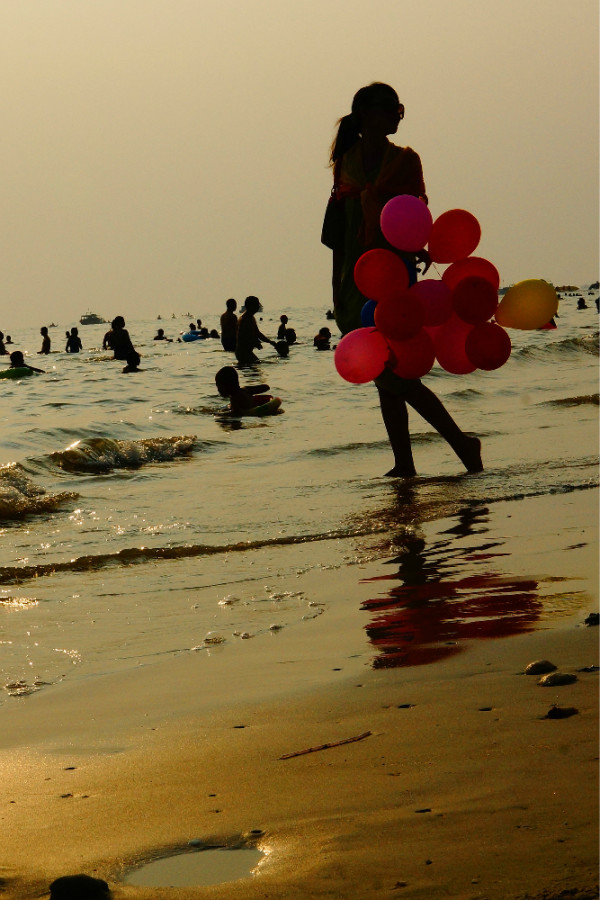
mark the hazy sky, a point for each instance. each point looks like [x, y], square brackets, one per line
[163, 155]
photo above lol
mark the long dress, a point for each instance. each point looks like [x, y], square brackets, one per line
[354, 209]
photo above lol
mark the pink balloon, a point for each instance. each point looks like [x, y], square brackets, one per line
[449, 344]
[473, 266]
[435, 298]
[398, 318]
[406, 222]
[454, 235]
[379, 274]
[488, 346]
[361, 355]
[475, 300]
[414, 357]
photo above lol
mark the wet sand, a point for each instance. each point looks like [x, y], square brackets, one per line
[460, 787]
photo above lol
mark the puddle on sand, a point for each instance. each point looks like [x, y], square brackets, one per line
[200, 867]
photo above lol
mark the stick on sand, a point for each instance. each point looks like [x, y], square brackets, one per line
[350, 740]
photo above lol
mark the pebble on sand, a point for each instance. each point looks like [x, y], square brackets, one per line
[540, 667]
[556, 679]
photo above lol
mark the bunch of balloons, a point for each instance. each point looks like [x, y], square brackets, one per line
[456, 319]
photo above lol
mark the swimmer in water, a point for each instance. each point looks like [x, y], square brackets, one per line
[161, 336]
[17, 361]
[241, 399]
[322, 339]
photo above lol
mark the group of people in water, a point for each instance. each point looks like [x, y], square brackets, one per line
[240, 335]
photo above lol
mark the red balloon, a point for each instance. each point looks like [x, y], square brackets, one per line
[475, 300]
[454, 235]
[435, 298]
[449, 345]
[406, 222]
[379, 274]
[488, 346]
[414, 357]
[398, 318]
[361, 355]
[471, 267]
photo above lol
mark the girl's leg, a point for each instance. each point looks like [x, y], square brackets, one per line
[395, 419]
[428, 405]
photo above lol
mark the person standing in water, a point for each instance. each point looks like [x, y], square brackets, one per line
[368, 170]
[120, 342]
[74, 344]
[249, 336]
[45, 341]
[229, 325]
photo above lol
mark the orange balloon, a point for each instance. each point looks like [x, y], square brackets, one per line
[528, 304]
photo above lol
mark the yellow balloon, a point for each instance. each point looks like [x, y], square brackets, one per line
[527, 304]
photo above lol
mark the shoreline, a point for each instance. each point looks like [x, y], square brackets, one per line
[103, 772]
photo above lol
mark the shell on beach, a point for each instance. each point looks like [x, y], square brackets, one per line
[539, 667]
[555, 679]
[213, 637]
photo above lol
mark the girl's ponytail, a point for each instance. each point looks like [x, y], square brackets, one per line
[347, 135]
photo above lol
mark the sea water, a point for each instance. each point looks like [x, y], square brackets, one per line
[137, 521]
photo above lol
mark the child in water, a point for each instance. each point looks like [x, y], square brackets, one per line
[241, 399]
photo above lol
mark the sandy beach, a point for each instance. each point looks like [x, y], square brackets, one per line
[458, 786]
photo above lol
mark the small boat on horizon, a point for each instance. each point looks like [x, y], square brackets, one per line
[91, 318]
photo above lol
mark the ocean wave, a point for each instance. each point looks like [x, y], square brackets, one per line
[568, 347]
[100, 455]
[20, 496]
[418, 437]
[584, 400]
[137, 555]
[443, 503]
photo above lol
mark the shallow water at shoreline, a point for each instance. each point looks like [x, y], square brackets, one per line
[132, 515]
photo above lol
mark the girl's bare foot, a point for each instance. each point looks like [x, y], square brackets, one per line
[399, 472]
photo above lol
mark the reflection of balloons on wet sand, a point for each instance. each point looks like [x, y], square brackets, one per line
[423, 623]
